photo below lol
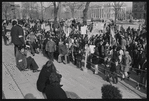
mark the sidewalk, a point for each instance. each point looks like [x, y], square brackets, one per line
[85, 85]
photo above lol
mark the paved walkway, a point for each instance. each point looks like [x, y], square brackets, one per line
[17, 84]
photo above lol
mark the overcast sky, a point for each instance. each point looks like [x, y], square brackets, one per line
[129, 4]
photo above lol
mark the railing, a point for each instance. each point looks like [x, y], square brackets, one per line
[114, 72]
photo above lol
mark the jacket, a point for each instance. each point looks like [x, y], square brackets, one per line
[51, 46]
[63, 49]
[21, 60]
[17, 35]
[126, 62]
[52, 92]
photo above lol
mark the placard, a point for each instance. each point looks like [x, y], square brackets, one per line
[83, 29]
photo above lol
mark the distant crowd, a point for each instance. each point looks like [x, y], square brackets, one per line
[119, 50]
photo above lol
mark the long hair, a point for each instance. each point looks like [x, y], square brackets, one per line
[50, 67]
[54, 77]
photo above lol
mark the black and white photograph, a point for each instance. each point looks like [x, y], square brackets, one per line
[74, 50]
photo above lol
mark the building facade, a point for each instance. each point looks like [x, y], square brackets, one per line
[104, 12]
[139, 10]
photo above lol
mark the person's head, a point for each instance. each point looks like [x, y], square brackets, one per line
[50, 66]
[14, 23]
[21, 49]
[110, 92]
[55, 78]
[29, 96]
[20, 22]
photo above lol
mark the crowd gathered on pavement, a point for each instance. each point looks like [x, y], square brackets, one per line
[117, 49]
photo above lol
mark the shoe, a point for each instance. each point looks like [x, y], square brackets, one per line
[36, 71]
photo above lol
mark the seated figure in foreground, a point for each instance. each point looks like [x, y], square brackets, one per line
[49, 82]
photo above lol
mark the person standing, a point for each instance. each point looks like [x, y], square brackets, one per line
[4, 33]
[63, 51]
[17, 35]
[126, 63]
[95, 59]
[51, 48]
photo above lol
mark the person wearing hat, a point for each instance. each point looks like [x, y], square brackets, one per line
[17, 35]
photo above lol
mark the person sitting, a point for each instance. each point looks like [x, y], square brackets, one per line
[24, 62]
[49, 82]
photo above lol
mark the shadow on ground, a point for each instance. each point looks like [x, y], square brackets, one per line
[72, 95]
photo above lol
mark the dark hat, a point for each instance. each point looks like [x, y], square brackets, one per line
[14, 22]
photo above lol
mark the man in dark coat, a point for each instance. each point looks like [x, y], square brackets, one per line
[17, 35]
[101, 51]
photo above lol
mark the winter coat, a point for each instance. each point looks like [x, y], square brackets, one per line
[95, 57]
[21, 60]
[17, 35]
[63, 49]
[126, 62]
[51, 91]
[51, 46]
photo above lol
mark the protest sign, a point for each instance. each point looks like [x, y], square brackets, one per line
[83, 29]
[92, 48]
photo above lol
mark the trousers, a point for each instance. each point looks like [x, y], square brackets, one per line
[51, 55]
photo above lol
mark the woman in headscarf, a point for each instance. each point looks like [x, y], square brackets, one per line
[49, 82]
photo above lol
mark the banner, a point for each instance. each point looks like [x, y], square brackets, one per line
[92, 48]
[112, 33]
[47, 28]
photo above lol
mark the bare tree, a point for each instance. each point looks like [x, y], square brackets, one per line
[74, 6]
[56, 8]
[41, 9]
[6, 9]
[85, 13]
[26, 9]
[117, 7]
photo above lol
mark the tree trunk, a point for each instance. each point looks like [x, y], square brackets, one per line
[55, 12]
[115, 16]
[41, 10]
[72, 12]
[85, 13]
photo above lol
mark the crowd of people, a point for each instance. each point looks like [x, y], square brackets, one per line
[119, 53]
